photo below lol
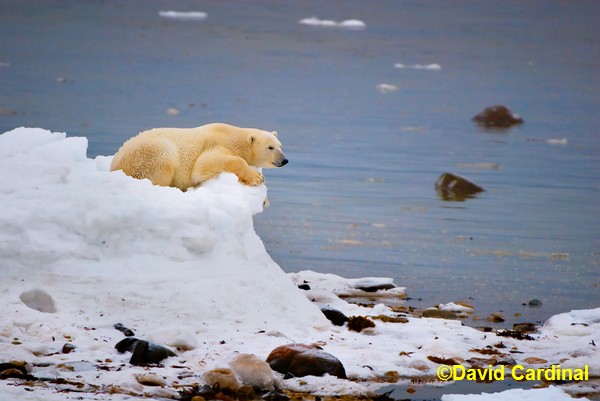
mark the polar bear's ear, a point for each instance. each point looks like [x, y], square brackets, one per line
[274, 133]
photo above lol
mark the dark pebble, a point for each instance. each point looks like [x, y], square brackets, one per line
[359, 323]
[67, 348]
[301, 360]
[205, 391]
[143, 352]
[335, 316]
[535, 302]
[124, 330]
[127, 344]
[304, 287]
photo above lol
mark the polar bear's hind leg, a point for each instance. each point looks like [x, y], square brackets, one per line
[152, 159]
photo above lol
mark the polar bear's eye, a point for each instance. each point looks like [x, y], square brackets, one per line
[271, 148]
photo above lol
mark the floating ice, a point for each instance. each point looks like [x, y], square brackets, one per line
[349, 23]
[193, 15]
[454, 307]
[557, 141]
[430, 67]
[386, 88]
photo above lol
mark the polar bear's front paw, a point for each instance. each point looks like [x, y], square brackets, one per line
[254, 178]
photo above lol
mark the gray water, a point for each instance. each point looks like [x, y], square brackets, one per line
[357, 198]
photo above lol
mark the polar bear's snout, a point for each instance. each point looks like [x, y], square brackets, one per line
[281, 163]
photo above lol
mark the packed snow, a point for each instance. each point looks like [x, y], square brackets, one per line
[349, 23]
[83, 248]
[550, 394]
[191, 15]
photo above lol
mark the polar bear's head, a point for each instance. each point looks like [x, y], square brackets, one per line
[266, 150]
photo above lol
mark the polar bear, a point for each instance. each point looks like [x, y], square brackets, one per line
[187, 157]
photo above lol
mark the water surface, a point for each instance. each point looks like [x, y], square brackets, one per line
[357, 198]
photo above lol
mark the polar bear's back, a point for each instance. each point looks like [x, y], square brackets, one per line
[167, 155]
[196, 140]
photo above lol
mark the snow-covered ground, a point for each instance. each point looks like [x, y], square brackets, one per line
[82, 249]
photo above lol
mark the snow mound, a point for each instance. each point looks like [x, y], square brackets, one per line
[349, 23]
[577, 323]
[106, 248]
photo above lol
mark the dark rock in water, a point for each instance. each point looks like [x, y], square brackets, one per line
[440, 314]
[335, 316]
[124, 330]
[359, 323]
[524, 327]
[485, 329]
[67, 348]
[535, 302]
[497, 117]
[304, 287]
[371, 286]
[302, 360]
[495, 318]
[453, 187]
[39, 300]
[144, 353]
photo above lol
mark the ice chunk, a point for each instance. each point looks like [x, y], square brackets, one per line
[191, 15]
[349, 23]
